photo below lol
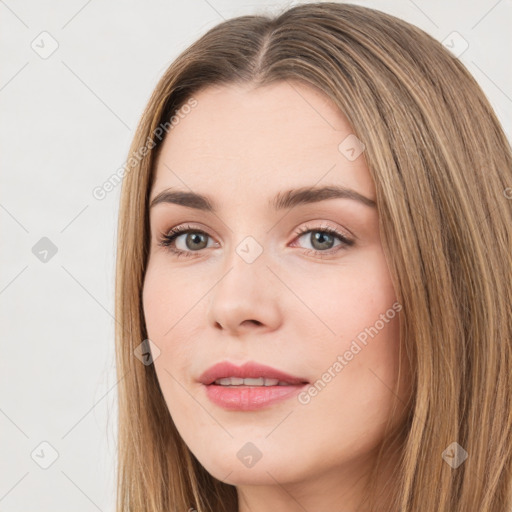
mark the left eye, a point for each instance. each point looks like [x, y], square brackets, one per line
[322, 240]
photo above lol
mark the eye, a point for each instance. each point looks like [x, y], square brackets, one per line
[193, 243]
[322, 239]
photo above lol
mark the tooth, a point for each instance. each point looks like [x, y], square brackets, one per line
[254, 382]
[237, 381]
[229, 381]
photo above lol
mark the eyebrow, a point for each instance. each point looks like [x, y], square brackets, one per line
[282, 200]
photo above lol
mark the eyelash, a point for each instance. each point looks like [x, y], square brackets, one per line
[167, 239]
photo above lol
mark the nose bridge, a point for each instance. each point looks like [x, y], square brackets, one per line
[247, 265]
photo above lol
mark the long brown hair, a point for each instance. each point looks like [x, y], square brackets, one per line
[442, 169]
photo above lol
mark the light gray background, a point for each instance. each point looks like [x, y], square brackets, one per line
[66, 124]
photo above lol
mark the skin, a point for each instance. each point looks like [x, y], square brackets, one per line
[288, 309]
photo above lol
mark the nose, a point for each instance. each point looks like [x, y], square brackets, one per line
[246, 297]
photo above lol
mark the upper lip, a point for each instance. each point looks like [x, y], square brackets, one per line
[251, 369]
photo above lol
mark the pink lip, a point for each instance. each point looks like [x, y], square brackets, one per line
[246, 398]
[251, 369]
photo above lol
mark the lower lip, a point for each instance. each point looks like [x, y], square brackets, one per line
[250, 398]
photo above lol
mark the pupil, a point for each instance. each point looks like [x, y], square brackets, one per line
[195, 238]
[319, 236]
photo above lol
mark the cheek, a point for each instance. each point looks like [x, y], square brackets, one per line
[370, 335]
[156, 298]
[172, 305]
[355, 361]
[348, 302]
[167, 298]
[167, 313]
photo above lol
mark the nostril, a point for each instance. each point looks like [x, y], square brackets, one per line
[254, 322]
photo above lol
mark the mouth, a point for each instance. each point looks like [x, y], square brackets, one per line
[250, 386]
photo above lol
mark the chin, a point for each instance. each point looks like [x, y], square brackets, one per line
[260, 475]
[234, 470]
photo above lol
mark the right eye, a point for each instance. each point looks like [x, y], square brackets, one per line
[168, 240]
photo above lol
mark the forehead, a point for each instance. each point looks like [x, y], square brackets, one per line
[243, 142]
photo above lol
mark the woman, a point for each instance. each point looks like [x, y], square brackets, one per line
[367, 370]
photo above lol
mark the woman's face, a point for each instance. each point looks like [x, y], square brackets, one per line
[248, 287]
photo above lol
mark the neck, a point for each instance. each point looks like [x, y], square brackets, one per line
[339, 489]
